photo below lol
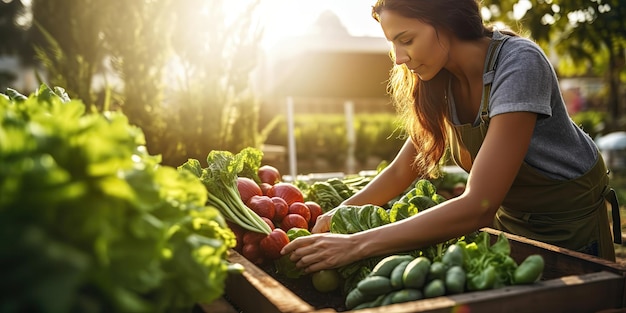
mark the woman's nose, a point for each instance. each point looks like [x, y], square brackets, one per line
[401, 57]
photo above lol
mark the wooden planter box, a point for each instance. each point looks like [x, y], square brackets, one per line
[572, 282]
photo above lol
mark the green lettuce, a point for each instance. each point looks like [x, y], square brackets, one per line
[91, 222]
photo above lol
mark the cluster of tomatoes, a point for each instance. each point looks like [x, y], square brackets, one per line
[281, 205]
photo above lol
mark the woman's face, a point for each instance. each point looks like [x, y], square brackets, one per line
[416, 44]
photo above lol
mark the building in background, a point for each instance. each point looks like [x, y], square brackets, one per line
[324, 68]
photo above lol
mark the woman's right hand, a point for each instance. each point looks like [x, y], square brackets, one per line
[322, 224]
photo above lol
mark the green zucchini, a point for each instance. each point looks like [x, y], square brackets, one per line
[375, 285]
[416, 271]
[386, 265]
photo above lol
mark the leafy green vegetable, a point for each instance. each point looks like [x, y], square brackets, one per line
[220, 180]
[488, 266]
[419, 198]
[353, 219]
[324, 194]
[90, 222]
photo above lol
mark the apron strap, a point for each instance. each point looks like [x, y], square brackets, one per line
[489, 73]
[617, 224]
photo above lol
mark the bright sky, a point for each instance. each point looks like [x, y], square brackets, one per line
[283, 18]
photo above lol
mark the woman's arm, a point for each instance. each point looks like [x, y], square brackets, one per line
[492, 174]
[389, 183]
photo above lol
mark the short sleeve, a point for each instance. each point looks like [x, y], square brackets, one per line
[523, 80]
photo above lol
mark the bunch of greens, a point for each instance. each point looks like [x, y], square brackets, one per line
[90, 222]
[488, 266]
[332, 192]
[421, 197]
[220, 180]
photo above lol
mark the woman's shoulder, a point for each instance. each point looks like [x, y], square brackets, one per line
[522, 45]
[522, 51]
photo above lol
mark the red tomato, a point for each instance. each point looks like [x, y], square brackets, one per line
[273, 243]
[252, 237]
[315, 209]
[293, 221]
[287, 191]
[281, 208]
[265, 188]
[247, 188]
[268, 222]
[300, 209]
[269, 174]
[262, 206]
[253, 253]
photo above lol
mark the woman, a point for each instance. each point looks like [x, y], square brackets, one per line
[494, 100]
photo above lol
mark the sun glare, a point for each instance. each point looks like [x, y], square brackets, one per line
[282, 19]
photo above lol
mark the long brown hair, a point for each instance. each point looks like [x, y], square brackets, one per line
[422, 105]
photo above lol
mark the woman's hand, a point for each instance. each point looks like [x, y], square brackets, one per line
[322, 224]
[322, 251]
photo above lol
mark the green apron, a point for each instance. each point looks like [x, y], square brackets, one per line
[570, 214]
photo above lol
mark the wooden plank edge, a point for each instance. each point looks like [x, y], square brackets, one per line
[278, 297]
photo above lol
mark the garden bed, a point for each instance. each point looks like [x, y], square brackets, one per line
[572, 282]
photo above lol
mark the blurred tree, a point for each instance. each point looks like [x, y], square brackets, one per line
[68, 41]
[213, 105]
[589, 36]
[14, 21]
[137, 38]
[185, 68]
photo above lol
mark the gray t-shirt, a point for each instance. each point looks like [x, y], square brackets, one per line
[525, 81]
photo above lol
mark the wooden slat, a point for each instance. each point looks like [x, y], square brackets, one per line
[255, 291]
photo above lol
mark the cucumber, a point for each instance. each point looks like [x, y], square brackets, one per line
[356, 297]
[386, 265]
[371, 304]
[375, 285]
[435, 288]
[387, 299]
[530, 270]
[406, 295]
[415, 273]
[453, 256]
[437, 271]
[396, 275]
[455, 280]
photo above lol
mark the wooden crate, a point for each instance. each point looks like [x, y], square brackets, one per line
[572, 282]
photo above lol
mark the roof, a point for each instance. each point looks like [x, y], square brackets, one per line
[329, 66]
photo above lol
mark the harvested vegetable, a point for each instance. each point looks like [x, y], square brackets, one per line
[281, 208]
[269, 174]
[248, 188]
[293, 220]
[287, 191]
[220, 180]
[273, 243]
[530, 270]
[326, 280]
[263, 206]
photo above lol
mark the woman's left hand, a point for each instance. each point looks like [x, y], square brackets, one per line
[322, 251]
